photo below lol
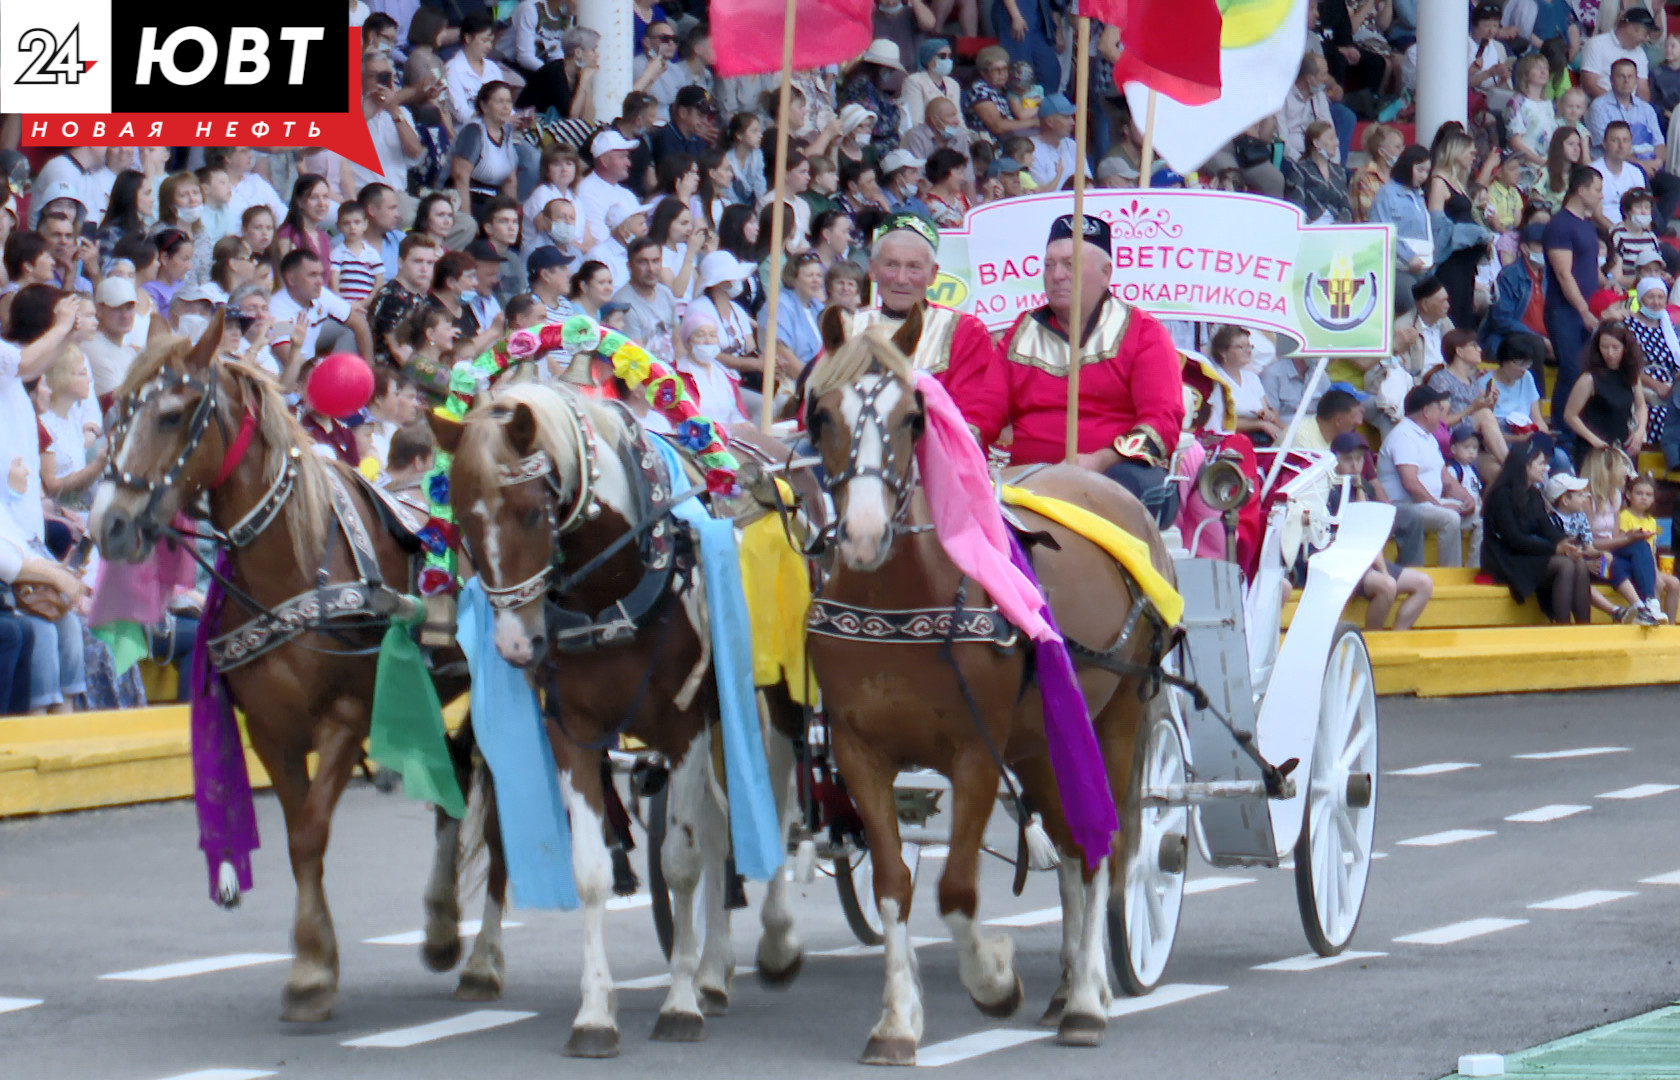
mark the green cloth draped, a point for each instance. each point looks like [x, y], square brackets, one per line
[408, 733]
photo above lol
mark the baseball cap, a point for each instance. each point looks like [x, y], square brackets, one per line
[612, 307]
[1348, 388]
[609, 139]
[1116, 166]
[546, 258]
[693, 97]
[1603, 300]
[115, 292]
[1534, 233]
[619, 213]
[1056, 105]
[1639, 17]
[1561, 484]
[900, 159]
[196, 292]
[1347, 442]
[1165, 177]
[1419, 398]
[1003, 165]
[722, 266]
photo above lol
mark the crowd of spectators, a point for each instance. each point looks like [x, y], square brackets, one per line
[1539, 232]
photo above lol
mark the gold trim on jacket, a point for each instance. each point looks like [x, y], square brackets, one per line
[933, 349]
[1036, 345]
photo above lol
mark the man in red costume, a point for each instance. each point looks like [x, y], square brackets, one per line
[954, 347]
[1131, 392]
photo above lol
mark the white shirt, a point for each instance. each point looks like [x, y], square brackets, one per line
[539, 200]
[1618, 184]
[1049, 159]
[387, 143]
[617, 259]
[329, 305]
[108, 363]
[1409, 444]
[253, 190]
[716, 385]
[595, 197]
[1603, 50]
[18, 439]
[359, 13]
[1493, 54]
[464, 84]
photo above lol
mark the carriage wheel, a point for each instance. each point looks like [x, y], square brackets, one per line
[1333, 853]
[658, 804]
[854, 879]
[1148, 889]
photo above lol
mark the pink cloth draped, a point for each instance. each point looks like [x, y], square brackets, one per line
[965, 511]
[139, 592]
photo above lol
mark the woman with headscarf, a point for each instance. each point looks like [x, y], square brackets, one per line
[1654, 328]
[932, 79]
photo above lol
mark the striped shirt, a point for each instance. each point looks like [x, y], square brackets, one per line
[357, 271]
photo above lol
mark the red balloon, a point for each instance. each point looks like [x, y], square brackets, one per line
[340, 385]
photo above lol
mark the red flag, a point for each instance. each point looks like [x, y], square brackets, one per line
[747, 34]
[1167, 45]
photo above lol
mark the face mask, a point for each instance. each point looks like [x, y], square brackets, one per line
[1640, 221]
[1538, 258]
[862, 137]
[737, 287]
[889, 12]
[1390, 159]
[952, 131]
[705, 354]
[942, 67]
[186, 215]
[563, 232]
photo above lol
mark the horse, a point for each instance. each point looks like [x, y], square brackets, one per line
[301, 624]
[545, 477]
[892, 703]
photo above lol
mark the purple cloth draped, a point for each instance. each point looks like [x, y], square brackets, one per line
[227, 815]
[1087, 800]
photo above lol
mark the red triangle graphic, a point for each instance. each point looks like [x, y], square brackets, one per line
[87, 65]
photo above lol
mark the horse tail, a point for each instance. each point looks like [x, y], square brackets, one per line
[480, 832]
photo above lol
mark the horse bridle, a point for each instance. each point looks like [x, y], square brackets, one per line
[902, 483]
[166, 381]
[538, 465]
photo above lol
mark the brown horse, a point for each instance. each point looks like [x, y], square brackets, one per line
[546, 481]
[893, 704]
[198, 427]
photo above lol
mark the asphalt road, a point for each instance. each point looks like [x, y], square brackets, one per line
[90, 895]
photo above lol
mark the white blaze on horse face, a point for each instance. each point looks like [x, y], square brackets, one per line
[512, 640]
[863, 533]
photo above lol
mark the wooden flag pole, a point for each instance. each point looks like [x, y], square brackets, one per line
[1076, 331]
[1146, 163]
[783, 103]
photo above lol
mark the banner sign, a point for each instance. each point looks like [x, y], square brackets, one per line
[104, 73]
[1207, 256]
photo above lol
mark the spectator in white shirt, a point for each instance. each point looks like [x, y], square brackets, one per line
[395, 138]
[1620, 174]
[604, 188]
[624, 224]
[108, 354]
[304, 278]
[249, 189]
[1626, 41]
[1305, 102]
[472, 67]
[1055, 153]
[1413, 471]
[75, 167]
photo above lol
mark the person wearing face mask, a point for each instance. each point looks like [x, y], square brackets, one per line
[1382, 148]
[1634, 239]
[931, 80]
[941, 129]
[1519, 293]
[1316, 183]
[902, 171]
[1654, 328]
[555, 226]
[875, 83]
[857, 136]
[723, 277]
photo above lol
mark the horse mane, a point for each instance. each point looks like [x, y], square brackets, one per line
[872, 350]
[550, 406]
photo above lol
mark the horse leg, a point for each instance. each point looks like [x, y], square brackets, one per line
[717, 951]
[441, 949]
[869, 780]
[780, 955]
[313, 983]
[1085, 1018]
[985, 962]
[288, 772]
[1072, 889]
[595, 1028]
[481, 979]
[683, 858]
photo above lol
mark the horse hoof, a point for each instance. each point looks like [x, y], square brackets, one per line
[592, 1042]
[780, 980]
[680, 1027]
[713, 1002]
[441, 956]
[479, 986]
[307, 1006]
[1003, 1010]
[889, 1050]
[1053, 1012]
[1079, 1029]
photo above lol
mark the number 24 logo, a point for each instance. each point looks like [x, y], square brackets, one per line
[52, 62]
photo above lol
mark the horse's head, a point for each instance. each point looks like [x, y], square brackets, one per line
[523, 477]
[169, 444]
[865, 415]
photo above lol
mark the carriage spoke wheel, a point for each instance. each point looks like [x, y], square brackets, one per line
[1333, 854]
[854, 879]
[1148, 890]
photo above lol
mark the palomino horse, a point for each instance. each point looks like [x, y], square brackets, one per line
[546, 479]
[195, 426]
[893, 702]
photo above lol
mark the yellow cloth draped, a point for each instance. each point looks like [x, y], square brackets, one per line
[1131, 553]
[778, 590]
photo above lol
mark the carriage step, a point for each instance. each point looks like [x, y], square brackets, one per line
[1463, 662]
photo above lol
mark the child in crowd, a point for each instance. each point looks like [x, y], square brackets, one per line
[1567, 495]
[73, 462]
[1019, 149]
[1025, 94]
[1630, 562]
[1466, 449]
[615, 314]
[1572, 113]
[525, 311]
[358, 269]
[1634, 240]
[1637, 517]
[217, 188]
[1384, 582]
[1505, 207]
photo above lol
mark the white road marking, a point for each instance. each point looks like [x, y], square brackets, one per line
[1434, 769]
[1028, 918]
[1442, 839]
[1379, 854]
[936, 851]
[659, 982]
[1315, 962]
[1671, 878]
[415, 937]
[1459, 931]
[630, 903]
[223, 1074]
[1581, 751]
[197, 967]
[465, 1024]
[1577, 901]
[876, 950]
[1640, 791]
[14, 1004]
[1214, 884]
[1553, 812]
[989, 1042]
